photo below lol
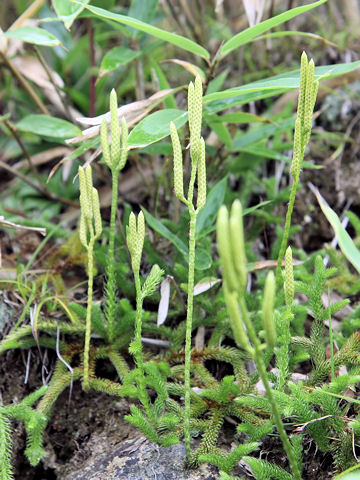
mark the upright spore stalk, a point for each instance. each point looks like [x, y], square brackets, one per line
[198, 171]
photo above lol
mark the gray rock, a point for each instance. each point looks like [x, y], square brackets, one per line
[138, 459]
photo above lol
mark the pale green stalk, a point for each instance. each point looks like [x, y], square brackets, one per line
[198, 168]
[306, 103]
[89, 231]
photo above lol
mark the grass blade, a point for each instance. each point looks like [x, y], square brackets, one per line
[283, 82]
[345, 242]
[169, 37]
[252, 32]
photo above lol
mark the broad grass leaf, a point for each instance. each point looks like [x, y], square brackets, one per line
[221, 131]
[117, 57]
[169, 37]
[352, 473]
[240, 117]
[46, 126]
[207, 216]
[190, 67]
[159, 227]
[281, 83]
[67, 11]
[290, 33]
[345, 242]
[203, 259]
[163, 83]
[252, 32]
[34, 35]
[155, 127]
[143, 11]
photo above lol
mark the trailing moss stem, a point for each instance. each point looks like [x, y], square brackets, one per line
[135, 236]
[89, 231]
[138, 352]
[189, 315]
[111, 287]
[88, 311]
[287, 226]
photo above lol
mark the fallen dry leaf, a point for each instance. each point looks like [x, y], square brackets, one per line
[43, 157]
[31, 68]
[190, 67]
[132, 112]
[6, 223]
[254, 11]
[205, 285]
[164, 300]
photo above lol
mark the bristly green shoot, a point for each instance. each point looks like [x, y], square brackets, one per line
[34, 423]
[283, 323]
[306, 103]
[135, 236]
[198, 170]
[244, 331]
[331, 341]
[89, 231]
[115, 158]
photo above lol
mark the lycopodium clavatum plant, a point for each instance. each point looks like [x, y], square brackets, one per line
[198, 174]
[153, 421]
[115, 157]
[303, 124]
[89, 231]
[230, 238]
[135, 240]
